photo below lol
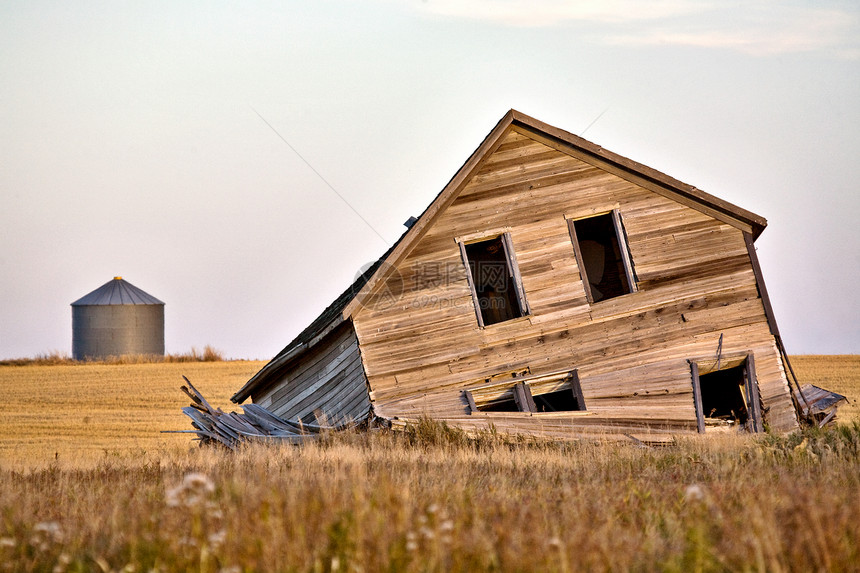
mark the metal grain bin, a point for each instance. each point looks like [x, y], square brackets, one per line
[117, 319]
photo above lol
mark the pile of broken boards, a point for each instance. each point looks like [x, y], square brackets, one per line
[818, 406]
[214, 426]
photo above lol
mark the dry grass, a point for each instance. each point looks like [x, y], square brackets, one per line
[122, 497]
[431, 500]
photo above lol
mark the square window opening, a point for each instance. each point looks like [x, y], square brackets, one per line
[604, 261]
[494, 280]
[723, 395]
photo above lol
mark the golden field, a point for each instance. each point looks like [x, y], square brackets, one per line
[77, 414]
[121, 497]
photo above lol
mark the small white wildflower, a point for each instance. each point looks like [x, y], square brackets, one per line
[554, 542]
[197, 480]
[694, 492]
[217, 538]
[446, 526]
[194, 490]
[432, 509]
[173, 496]
[426, 532]
[46, 533]
[63, 561]
[50, 529]
[7, 542]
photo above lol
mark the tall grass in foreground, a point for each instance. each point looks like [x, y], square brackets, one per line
[429, 499]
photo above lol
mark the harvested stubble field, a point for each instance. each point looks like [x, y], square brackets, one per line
[427, 499]
[76, 414]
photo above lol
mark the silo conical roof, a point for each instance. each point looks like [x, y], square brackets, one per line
[117, 291]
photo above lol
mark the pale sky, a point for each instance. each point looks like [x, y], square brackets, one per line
[132, 145]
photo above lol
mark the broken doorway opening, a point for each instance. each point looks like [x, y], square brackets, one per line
[726, 394]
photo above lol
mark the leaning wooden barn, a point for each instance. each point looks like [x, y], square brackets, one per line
[551, 288]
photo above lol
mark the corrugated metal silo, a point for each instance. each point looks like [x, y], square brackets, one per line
[117, 319]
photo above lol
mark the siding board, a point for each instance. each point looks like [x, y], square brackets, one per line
[329, 378]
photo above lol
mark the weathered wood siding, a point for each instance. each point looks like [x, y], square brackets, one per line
[328, 377]
[695, 283]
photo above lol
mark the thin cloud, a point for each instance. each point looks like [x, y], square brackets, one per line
[759, 32]
[758, 28]
[541, 13]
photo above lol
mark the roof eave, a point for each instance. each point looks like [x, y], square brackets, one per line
[281, 362]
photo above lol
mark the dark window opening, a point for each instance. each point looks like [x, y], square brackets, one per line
[559, 401]
[493, 281]
[603, 261]
[509, 405]
[565, 395]
[723, 395]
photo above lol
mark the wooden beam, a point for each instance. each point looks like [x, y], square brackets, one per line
[523, 397]
[515, 273]
[762, 289]
[621, 237]
[753, 396]
[827, 418]
[471, 400]
[697, 398]
[471, 280]
[580, 262]
[576, 388]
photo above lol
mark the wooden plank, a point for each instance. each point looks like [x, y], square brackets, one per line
[762, 289]
[523, 397]
[576, 388]
[697, 398]
[470, 399]
[471, 280]
[580, 262]
[514, 269]
[753, 395]
[621, 237]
